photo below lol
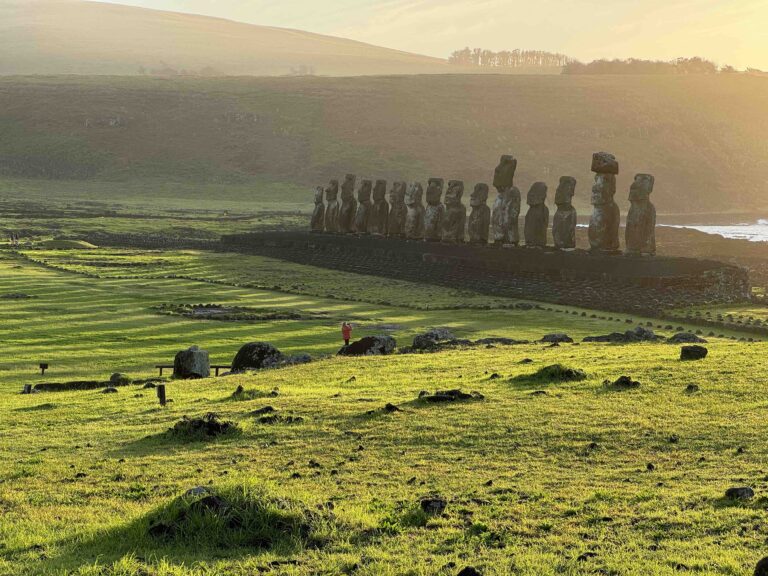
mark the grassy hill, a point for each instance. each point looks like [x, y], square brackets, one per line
[77, 37]
[702, 136]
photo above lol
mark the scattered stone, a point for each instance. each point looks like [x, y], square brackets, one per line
[494, 376]
[469, 571]
[691, 389]
[196, 491]
[740, 493]
[110, 390]
[278, 419]
[433, 505]
[206, 427]
[149, 385]
[432, 338]
[449, 396]
[686, 338]
[694, 352]
[650, 467]
[557, 337]
[586, 556]
[639, 334]
[526, 361]
[262, 411]
[622, 383]
[391, 408]
[370, 346]
[762, 567]
[556, 373]
[257, 356]
[191, 363]
[119, 380]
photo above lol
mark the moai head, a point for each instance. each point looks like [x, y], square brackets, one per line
[397, 193]
[537, 194]
[364, 191]
[604, 163]
[454, 193]
[641, 188]
[565, 191]
[380, 191]
[319, 195]
[479, 195]
[434, 191]
[604, 189]
[414, 195]
[504, 175]
[332, 191]
[348, 187]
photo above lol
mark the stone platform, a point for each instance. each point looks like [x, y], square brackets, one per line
[643, 285]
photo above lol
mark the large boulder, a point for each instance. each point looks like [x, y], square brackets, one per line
[256, 356]
[432, 338]
[693, 353]
[370, 346]
[192, 363]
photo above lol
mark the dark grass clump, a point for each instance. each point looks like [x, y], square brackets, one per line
[243, 395]
[554, 373]
[204, 428]
[251, 517]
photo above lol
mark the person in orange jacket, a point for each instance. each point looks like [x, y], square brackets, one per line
[346, 332]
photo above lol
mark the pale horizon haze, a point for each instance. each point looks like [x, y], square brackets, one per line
[725, 32]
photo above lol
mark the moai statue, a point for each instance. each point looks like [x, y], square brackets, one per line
[506, 208]
[377, 223]
[537, 218]
[564, 222]
[604, 223]
[364, 207]
[332, 207]
[455, 221]
[641, 219]
[480, 217]
[414, 218]
[348, 207]
[397, 210]
[435, 212]
[318, 215]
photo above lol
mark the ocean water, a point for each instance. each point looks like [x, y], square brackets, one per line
[756, 232]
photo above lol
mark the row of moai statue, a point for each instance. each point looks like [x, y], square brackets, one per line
[368, 212]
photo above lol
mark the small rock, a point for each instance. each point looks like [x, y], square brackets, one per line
[391, 408]
[196, 491]
[762, 567]
[469, 571]
[691, 389]
[494, 376]
[650, 467]
[109, 390]
[739, 493]
[688, 353]
[622, 383]
[433, 505]
[118, 379]
[557, 337]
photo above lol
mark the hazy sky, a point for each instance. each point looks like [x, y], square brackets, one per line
[727, 31]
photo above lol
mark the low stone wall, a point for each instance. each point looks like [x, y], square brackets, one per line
[645, 285]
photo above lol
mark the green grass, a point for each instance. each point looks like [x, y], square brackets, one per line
[83, 475]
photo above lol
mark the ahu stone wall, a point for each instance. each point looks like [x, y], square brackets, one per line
[580, 278]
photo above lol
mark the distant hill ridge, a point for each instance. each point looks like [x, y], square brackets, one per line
[79, 37]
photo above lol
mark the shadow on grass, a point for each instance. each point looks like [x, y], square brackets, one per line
[229, 522]
[38, 408]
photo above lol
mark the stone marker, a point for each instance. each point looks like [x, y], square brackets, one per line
[455, 221]
[332, 207]
[604, 223]
[348, 207]
[506, 208]
[364, 207]
[397, 210]
[318, 215]
[537, 218]
[414, 219]
[641, 219]
[191, 363]
[434, 214]
[564, 222]
[377, 223]
[480, 217]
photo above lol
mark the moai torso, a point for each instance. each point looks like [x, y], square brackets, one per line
[564, 221]
[364, 207]
[332, 207]
[318, 214]
[537, 218]
[348, 207]
[455, 219]
[480, 216]
[435, 212]
[397, 210]
[377, 223]
[506, 207]
[641, 219]
[414, 219]
[605, 220]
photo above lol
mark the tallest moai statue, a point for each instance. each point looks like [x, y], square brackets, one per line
[506, 208]
[604, 223]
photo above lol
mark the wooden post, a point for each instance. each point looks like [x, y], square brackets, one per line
[43, 368]
[161, 394]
